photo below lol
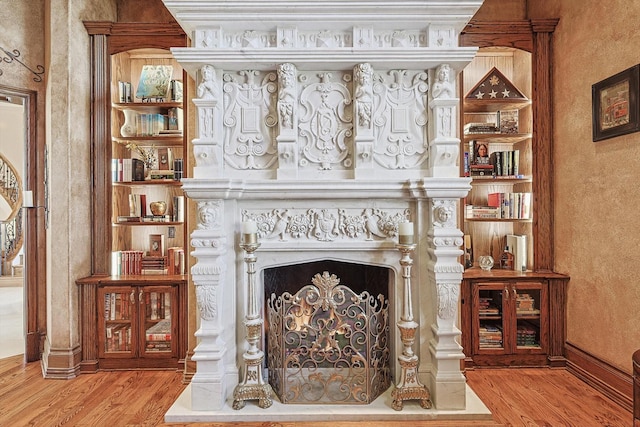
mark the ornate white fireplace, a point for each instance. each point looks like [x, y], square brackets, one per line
[327, 123]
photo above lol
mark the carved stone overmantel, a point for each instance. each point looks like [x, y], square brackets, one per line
[327, 124]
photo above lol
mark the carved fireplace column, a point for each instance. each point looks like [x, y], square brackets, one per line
[209, 242]
[447, 381]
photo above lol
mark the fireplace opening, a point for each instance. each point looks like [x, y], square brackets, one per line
[327, 332]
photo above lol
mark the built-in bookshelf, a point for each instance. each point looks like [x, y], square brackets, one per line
[134, 304]
[512, 316]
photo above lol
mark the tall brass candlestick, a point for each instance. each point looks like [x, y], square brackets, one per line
[252, 386]
[409, 386]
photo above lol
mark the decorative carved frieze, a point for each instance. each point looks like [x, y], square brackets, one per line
[327, 225]
[448, 294]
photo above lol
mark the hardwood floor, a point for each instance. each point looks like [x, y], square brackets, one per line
[517, 397]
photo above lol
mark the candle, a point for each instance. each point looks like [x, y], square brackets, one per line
[27, 199]
[249, 227]
[249, 232]
[405, 232]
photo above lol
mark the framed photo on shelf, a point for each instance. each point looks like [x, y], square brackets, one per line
[615, 104]
[156, 245]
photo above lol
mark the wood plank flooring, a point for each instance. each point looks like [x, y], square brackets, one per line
[517, 397]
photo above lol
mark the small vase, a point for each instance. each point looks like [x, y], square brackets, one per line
[158, 208]
[129, 127]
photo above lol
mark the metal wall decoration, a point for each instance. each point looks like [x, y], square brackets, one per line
[328, 345]
[14, 55]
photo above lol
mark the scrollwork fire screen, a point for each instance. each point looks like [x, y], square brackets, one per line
[327, 344]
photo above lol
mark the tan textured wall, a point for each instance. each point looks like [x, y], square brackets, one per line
[597, 184]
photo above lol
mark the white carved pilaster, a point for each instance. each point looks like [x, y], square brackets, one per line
[208, 274]
[363, 113]
[207, 147]
[288, 121]
[444, 146]
[447, 381]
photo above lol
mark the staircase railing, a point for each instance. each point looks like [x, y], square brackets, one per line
[11, 232]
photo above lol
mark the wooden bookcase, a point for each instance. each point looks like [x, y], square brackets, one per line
[123, 310]
[521, 51]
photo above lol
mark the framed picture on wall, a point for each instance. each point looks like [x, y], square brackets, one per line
[615, 104]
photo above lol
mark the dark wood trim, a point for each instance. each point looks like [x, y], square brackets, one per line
[607, 379]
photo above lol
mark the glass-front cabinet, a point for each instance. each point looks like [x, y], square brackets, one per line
[510, 317]
[139, 323]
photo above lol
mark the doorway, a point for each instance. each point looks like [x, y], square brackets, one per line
[22, 226]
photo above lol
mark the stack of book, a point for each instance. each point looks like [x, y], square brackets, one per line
[487, 308]
[482, 212]
[526, 336]
[154, 265]
[490, 336]
[481, 128]
[526, 305]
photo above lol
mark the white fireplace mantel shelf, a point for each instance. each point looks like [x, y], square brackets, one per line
[205, 189]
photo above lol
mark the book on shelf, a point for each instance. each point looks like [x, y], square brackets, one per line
[137, 205]
[175, 119]
[154, 82]
[479, 153]
[176, 90]
[508, 120]
[481, 128]
[165, 158]
[126, 262]
[505, 163]
[176, 260]
[482, 212]
[511, 205]
[178, 165]
[124, 92]
[127, 170]
[156, 218]
[518, 247]
[178, 208]
[161, 174]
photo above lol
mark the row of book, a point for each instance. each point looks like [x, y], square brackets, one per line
[127, 170]
[134, 262]
[118, 338]
[515, 205]
[117, 306]
[156, 124]
[157, 305]
[172, 92]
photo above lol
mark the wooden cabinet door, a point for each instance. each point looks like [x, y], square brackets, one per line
[117, 322]
[158, 321]
[530, 333]
[490, 317]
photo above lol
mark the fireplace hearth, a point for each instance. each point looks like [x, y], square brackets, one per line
[327, 124]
